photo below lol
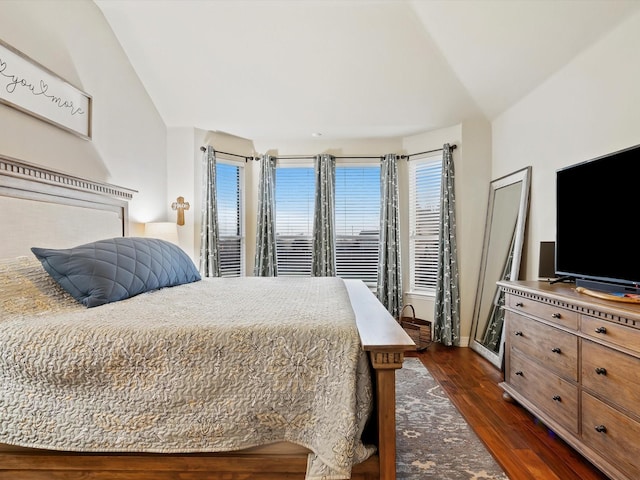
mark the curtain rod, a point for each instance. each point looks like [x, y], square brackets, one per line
[311, 157]
[204, 149]
[453, 147]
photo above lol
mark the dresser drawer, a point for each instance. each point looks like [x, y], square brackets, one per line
[611, 434]
[611, 332]
[551, 313]
[612, 375]
[555, 349]
[555, 396]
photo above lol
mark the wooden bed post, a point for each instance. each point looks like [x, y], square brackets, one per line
[385, 365]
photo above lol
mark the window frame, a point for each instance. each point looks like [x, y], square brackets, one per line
[307, 240]
[364, 164]
[241, 165]
[416, 266]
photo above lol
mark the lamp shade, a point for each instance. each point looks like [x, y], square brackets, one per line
[163, 230]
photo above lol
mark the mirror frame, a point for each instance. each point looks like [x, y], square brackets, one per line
[523, 176]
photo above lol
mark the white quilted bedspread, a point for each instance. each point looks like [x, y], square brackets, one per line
[216, 365]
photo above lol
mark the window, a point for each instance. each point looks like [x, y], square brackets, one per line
[357, 221]
[294, 219]
[231, 239]
[424, 215]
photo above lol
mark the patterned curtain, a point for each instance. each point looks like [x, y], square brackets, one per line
[389, 265]
[323, 262]
[266, 264]
[209, 254]
[447, 303]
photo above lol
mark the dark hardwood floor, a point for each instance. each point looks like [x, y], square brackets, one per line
[524, 447]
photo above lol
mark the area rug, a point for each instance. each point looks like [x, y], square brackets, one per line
[433, 439]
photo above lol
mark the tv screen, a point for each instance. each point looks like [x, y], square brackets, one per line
[596, 219]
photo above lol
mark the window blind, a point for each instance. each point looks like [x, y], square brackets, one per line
[230, 231]
[425, 177]
[294, 219]
[358, 222]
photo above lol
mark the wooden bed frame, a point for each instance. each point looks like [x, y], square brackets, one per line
[381, 336]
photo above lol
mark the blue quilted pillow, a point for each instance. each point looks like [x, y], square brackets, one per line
[114, 269]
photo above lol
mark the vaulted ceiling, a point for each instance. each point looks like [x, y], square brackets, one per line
[276, 69]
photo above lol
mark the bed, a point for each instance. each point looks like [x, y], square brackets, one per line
[41, 207]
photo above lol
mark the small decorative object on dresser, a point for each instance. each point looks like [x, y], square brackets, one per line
[574, 362]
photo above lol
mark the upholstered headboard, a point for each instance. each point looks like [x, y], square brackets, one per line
[45, 208]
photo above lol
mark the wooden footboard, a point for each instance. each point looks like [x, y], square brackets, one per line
[386, 342]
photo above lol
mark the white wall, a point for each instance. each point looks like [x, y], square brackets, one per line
[589, 108]
[128, 148]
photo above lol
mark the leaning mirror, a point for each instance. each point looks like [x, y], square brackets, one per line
[501, 255]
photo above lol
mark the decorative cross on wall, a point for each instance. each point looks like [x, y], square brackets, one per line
[180, 205]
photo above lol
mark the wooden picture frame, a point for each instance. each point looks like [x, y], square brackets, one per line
[34, 89]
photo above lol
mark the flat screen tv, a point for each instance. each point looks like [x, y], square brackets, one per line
[597, 240]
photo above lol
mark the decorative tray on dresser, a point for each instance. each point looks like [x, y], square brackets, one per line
[573, 361]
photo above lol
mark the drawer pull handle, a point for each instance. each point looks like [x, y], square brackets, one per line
[519, 372]
[518, 333]
[557, 398]
[601, 330]
[556, 350]
[601, 371]
[556, 315]
[519, 304]
[601, 429]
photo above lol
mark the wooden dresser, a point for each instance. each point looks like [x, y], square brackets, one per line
[574, 362]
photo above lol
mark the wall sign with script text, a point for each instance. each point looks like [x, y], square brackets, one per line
[31, 88]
